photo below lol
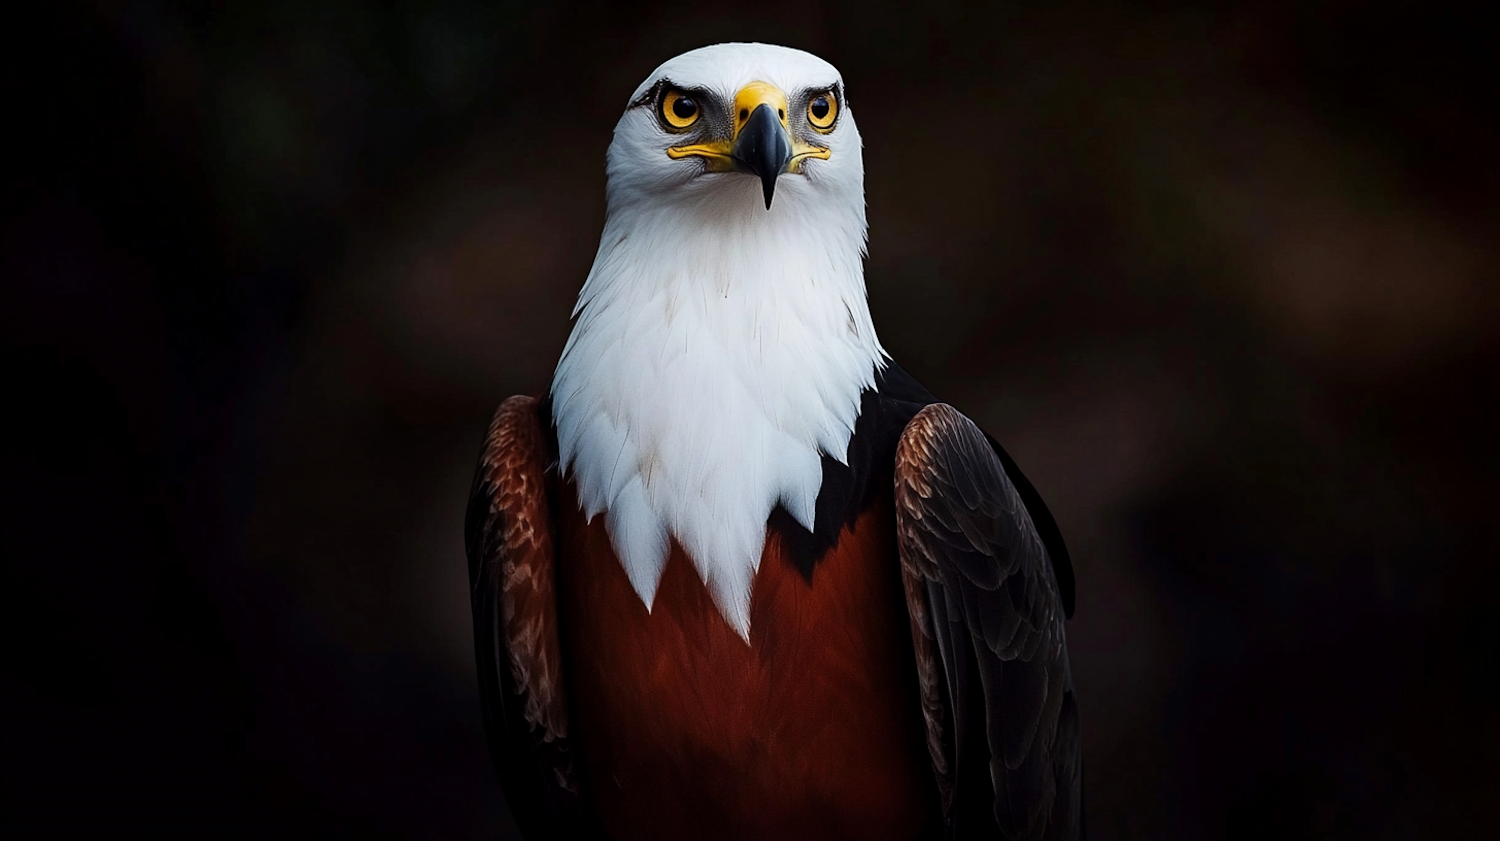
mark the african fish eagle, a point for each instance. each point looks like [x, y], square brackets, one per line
[737, 575]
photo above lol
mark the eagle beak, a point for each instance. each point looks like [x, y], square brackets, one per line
[763, 148]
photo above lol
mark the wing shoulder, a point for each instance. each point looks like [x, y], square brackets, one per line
[986, 608]
[508, 535]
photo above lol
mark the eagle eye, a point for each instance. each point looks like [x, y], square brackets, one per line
[823, 111]
[679, 110]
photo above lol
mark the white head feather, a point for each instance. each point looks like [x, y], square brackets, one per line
[720, 347]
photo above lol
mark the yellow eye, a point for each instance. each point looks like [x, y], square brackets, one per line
[823, 110]
[679, 110]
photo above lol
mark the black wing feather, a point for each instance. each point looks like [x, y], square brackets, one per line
[995, 611]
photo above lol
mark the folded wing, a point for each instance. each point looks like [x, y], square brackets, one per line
[508, 534]
[987, 623]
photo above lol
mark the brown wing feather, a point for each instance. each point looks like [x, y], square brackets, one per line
[509, 538]
[929, 674]
[987, 622]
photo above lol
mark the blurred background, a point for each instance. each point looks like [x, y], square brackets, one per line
[1222, 281]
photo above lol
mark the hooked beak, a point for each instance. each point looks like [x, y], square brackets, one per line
[761, 145]
[763, 149]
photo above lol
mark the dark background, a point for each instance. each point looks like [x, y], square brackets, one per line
[1223, 282]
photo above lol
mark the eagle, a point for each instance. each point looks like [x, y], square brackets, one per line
[736, 574]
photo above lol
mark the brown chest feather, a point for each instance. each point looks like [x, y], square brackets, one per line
[812, 730]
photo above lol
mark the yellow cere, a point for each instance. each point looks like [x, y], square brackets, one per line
[754, 95]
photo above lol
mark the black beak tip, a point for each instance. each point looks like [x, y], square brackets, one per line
[763, 149]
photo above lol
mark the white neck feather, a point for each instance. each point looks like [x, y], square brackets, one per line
[719, 349]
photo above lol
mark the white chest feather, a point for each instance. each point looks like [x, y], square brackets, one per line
[719, 350]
